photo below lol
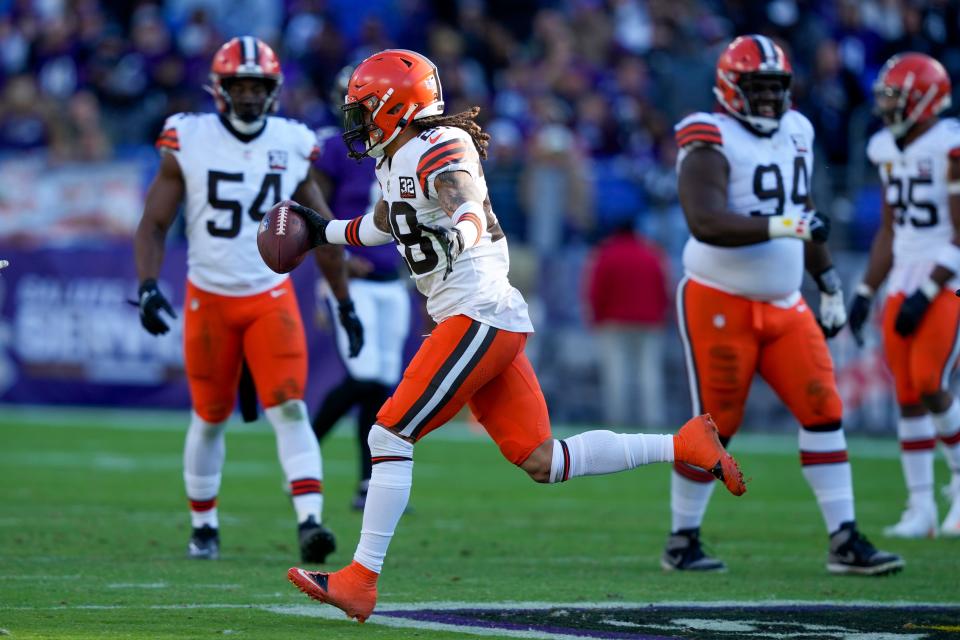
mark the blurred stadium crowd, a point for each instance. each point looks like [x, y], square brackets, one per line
[580, 97]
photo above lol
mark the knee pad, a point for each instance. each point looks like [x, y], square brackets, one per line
[288, 411]
[384, 442]
[206, 428]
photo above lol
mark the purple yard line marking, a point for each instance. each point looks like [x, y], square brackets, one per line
[453, 619]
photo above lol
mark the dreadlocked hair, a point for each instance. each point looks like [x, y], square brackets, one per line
[465, 120]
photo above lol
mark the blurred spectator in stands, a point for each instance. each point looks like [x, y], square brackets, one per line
[503, 171]
[28, 121]
[85, 140]
[626, 292]
[557, 192]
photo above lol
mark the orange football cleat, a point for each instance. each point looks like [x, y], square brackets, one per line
[698, 443]
[353, 589]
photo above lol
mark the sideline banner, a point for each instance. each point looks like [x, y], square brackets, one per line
[68, 335]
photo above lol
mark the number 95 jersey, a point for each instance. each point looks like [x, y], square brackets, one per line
[230, 184]
[915, 187]
[769, 175]
[478, 286]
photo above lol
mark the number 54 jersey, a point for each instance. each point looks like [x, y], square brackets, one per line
[478, 286]
[230, 184]
[915, 187]
[769, 175]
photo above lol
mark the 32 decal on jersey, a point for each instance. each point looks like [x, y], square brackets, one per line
[270, 185]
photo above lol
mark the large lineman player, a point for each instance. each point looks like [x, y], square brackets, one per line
[435, 207]
[744, 179]
[917, 252]
[228, 169]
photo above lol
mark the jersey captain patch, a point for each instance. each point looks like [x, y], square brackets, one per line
[277, 160]
[407, 187]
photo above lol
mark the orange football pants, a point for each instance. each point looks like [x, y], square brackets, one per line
[729, 338]
[466, 362]
[221, 331]
[922, 362]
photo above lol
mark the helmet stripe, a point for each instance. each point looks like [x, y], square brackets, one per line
[249, 50]
[761, 49]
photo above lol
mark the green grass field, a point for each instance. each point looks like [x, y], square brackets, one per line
[93, 527]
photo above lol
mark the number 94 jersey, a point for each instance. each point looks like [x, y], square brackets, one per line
[230, 184]
[769, 175]
[915, 187]
[478, 286]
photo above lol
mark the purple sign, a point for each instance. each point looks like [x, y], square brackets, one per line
[69, 336]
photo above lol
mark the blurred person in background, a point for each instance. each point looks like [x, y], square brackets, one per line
[626, 292]
[744, 184]
[28, 121]
[917, 252]
[376, 289]
[227, 169]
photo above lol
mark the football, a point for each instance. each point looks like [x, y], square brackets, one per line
[283, 238]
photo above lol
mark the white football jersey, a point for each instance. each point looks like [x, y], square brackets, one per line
[915, 186]
[230, 184]
[478, 286]
[768, 176]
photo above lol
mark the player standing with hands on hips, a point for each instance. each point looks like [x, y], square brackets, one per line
[917, 252]
[227, 169]
[744, 185]
[436, 208]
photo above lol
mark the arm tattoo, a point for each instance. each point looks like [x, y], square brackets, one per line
[380, 216]
[454, 188]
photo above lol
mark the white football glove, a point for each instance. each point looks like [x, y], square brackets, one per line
[833, 313]
[4, 264]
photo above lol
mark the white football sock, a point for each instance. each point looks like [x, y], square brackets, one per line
[595, 453]
[826, 468]
[688, 501]
[948, 428]
[203, 453]
[387, 495]
[299, 456]
[918, 442]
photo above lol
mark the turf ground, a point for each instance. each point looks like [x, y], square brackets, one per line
[93, 530]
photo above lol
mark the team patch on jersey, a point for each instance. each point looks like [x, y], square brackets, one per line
[799, 143]
[168, 140]
[925, 167]
[699, 132]
[277, 160]
[408, 188]
[438, 157]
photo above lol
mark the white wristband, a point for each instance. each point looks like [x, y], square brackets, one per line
[471, 221]
[949, 258]
[795, 226]
[929, 288]
[865, 290]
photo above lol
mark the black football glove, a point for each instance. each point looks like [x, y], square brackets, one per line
[819, 227]
[350, 322]
[859, 312]
[911, 312]
[833, 315]
[152, 303]
[316, 224]
[450, 240]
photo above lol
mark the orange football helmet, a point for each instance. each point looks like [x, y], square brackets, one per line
[753, 82]
[911, 88]
[387, 92]
[245, 57]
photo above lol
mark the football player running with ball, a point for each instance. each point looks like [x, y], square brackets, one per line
[744, 185]
[227, 169]
[917, 252]
[436, 209]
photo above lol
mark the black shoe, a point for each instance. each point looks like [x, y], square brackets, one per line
[316, 541]
[684, 553]
[204, 543]
[851, 552]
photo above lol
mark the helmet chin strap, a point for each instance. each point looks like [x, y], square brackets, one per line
[244, 127]
[377, 150]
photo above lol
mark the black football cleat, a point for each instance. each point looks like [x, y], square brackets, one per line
[204, 543]
[852, 553]
[316, 541]
[684, 553]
